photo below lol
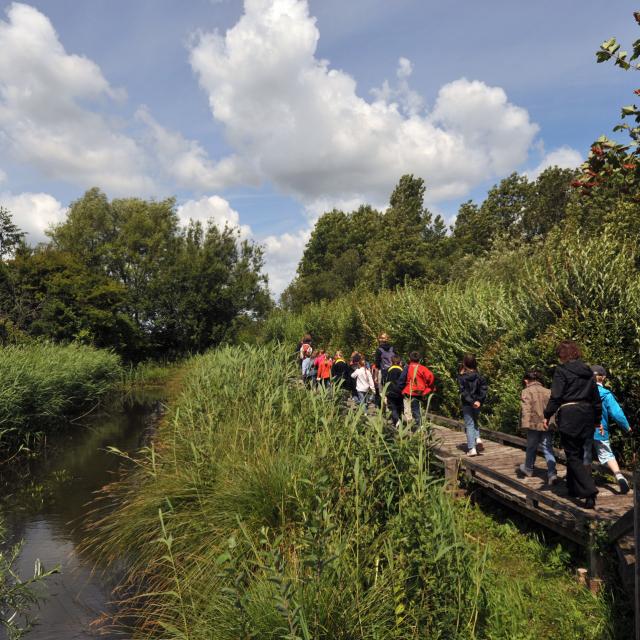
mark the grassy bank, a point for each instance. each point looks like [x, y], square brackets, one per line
[45, 384]
[264, 512]
[511, 309]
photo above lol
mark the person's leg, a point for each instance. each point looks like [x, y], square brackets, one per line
[470, 427]
[546, 443]
[579, 480]
[395, 404]
[415, 411]
[606, 457]
[533, 440]
[588, 454]
[406, 402]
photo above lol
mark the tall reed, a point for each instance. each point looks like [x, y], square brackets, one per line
[43, 384]
[266, 511]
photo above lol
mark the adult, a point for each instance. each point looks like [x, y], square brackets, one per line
[576, 403]
[383, 358]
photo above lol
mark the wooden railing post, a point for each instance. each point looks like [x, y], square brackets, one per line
[636, 535]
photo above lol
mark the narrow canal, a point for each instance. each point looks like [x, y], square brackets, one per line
[46, 502]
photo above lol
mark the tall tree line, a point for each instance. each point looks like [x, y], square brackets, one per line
[124, 274]
[375, 250]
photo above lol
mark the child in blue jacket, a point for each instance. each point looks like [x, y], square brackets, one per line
[611, 412]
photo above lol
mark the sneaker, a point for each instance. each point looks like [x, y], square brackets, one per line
[553, 479]
[623, 484]
[472, 452]
[479, 445]
[523, 470]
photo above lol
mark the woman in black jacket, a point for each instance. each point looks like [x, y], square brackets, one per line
[575, 399]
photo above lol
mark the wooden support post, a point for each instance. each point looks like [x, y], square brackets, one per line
[595, 559]
[451, 473]
[636, 535]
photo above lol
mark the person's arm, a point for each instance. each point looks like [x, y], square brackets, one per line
[430, 378]
[525, 410]
[355, 373]
[370, 381]
[596, 401]
[615, 411]
[482, 390]
[557, 391]
[402, 380]
[378, 358]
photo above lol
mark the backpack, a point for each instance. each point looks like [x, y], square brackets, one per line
[305, 350]
[385, 357]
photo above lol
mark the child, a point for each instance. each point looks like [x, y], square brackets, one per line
[473, 393]
[533, 400]
[354, 363]
[317, 361]
[611, 412]
[324, 371]
[305, 353]
[364, 381]
[341, 372]
[394, 391]
[416, 382]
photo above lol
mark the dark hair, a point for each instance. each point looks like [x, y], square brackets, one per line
[568, 350]
[533, 375]
[469, 362]
[396, 359]
[414, 356]
[307, 338]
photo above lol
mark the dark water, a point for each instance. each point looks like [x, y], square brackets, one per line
[45, 503]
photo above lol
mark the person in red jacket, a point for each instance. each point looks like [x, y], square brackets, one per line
[324, 371]
[416, 382]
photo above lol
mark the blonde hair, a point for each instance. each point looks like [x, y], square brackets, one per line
[383, 337]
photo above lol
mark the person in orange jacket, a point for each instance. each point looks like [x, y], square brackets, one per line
[416, 382]
[324, 371]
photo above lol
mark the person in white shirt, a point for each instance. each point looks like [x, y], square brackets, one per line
[364, 382]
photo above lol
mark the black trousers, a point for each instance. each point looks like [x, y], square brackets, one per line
[579, 480]
[396, 407]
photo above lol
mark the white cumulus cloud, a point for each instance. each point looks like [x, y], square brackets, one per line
[33, 213]
[212, 208]
[300, 124]
[564, 157]
[282, 254]
[186, 161]
[44, 119]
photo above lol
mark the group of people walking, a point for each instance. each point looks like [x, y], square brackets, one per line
[578, 405]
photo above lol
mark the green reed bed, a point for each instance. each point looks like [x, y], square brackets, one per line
[44, 384]
[264, 511]
[511, 309]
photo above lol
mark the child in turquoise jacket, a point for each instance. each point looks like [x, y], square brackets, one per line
[611, 412]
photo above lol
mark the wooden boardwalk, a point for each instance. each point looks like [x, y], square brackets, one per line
[495, 470]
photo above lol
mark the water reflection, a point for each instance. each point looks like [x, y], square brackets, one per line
[45, 502]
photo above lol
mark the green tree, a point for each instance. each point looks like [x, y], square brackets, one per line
[10, 234]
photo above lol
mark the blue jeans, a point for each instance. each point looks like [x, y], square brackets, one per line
[542, 439]
[470, 416]
[362, 397]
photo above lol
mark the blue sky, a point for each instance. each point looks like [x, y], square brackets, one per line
[264, 113]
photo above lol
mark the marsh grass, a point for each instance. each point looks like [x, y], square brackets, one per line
[264, 511]
[511, 309]
[45, 384]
